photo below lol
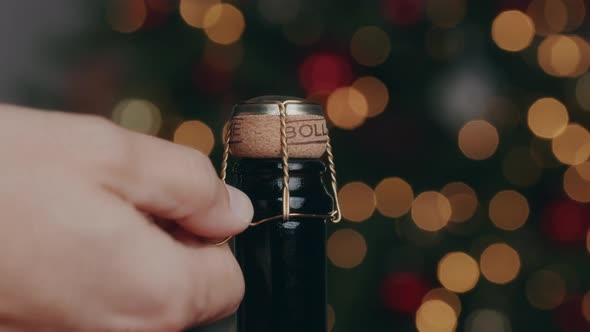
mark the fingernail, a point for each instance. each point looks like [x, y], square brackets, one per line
[240, 204]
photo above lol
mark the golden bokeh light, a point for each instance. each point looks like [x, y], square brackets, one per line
[572, 147]
[458, 272]
[347, 108]
[545, 290]
[446, 13]
[553, 16]
[331, 318]
[583, 92]
[370, 46]
[126, 16]
[436, 316]
[513, 30]
[346, 248]
[586, 306]
[357, 201]
[138, 115]
[195, 134]
[499, 263]
[520, 167]
[448, 297]
[560, 55]
[224, 24]
[547, 118]
[394, 197]
[193, 12]
[463, 200]
[478, 139]
[375, 93]
[576, 182]
[509, 210]
[431, 211]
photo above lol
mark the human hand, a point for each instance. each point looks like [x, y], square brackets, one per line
[77, 252]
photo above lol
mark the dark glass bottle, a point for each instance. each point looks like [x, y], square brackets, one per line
[284, 262]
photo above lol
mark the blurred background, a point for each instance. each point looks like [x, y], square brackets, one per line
[459, 129]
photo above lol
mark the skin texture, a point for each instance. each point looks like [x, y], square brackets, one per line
[79, 248]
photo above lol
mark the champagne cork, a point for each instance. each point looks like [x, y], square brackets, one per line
[256, 128]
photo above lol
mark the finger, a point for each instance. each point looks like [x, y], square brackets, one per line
[176, 182]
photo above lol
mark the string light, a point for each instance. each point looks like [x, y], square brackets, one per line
[394, 197]
[513, 30]
[375, 93]
[370, 46]
[193, 12]
[195, 134]
[431, 211]
[435, 316]
[357, 201]
[458, 272]
[499, 263]
[572, 146]
[463, 200]
[547, 118]
[509, 210]
[126, 16]
[138, 115]
[442, 294]
[347, 108]
[478, 139]
[346, 248]
[545, 290]
[224, 23]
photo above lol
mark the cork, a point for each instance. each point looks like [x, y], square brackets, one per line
[256, 132]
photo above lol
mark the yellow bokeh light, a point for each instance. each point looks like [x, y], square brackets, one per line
[375, 93]
[435, 316]
[509, 210]
[126, 16]
[586, 306]
[520, 168]
[560, 55]
[347, 108]
[576, 182]
[446, 13]
[357, 201]
[547, 117]
[448, 297]
[583, 92]
[346, 248]
[224, 24]
[138, 115]
[545, 290]
[331, 318]
[572, 147]
[478, 139]
[431, 211]
[458, 272]
[195, 134]
[193, 11]
[463, 200]
[513, 30]
[499, 263]
[370, 46]
[394, 197]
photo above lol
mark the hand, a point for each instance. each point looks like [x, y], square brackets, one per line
[77, 252]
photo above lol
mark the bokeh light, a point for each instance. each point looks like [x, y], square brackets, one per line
[394, 197]
[331, 318]
[402, 292]
[545, 290]
[346, 248]
[322, 73]
[572, 147]
[375, 93]
[586, 306]
[547, 117]
[347, 108]
[403, 12]
[431, 211]
[224, 24]
[565, 221]
[442, 294]
[370, 46]
[463, 200]
[193, 12]
[127, 15]
[138, 115]
[576, 182]
[560, 55]
[509, 210]
[487, 320]
[436, 316]
[279, 11]
[499, 263]
[195, 134]
[458, 272]
[520, 167]
[478, 139]
[513, 30]
[357, 201]
[583, 92]
[446, 13]
[553, 16]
